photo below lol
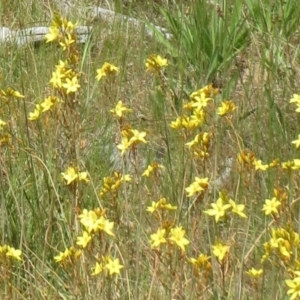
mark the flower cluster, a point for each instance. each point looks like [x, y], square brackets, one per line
[106, 70]
[173, 236]
[63, 31]
[112, 184]
[161, 204]
[7, 252]
[198, 186]
[120, 109]
[112, 266]
[202, 262]
[72, 174]
[155, 63]
[68, 256]
[95, 221]
[283, 243]
[130, 139]
[223, 205]
[153, 168]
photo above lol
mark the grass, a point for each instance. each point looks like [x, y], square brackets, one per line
[88, 221]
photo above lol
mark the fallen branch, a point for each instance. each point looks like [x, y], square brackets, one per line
[22, 37]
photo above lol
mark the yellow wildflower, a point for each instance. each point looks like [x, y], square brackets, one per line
[52, 35]
[177, 236]
[237, 208]
[254, 273]
[155, 63]
[106, 69]
[294, 285]
[220, 251]
[297, 142]
[226, 108]
[71, 85]
[218, 209]
[259, 165]
[153, 167]
[158, 238]
[199, 185]
[120, 109]
[84, 239]
[97, 269]
[113, 266]
[137, 137]
[2, 123]
[36, 114]
[270, 206]
[14, 253]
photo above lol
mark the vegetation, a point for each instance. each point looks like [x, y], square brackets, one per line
[135, 167]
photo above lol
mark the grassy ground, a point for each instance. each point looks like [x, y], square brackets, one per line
[88, 220]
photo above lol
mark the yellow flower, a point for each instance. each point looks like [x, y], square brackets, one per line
[105, 225]
[83, 176]
[154, 207]
[89, 220]
[177, 236]
[14, 93]
[2, 123]
[259, 166]
[199, 185]
[97, 269]
[113, 266]
[295, 99]
[156, 63]
[84, 239]
[237, 208]
[201, 261]
[194, 142]
[153, 167]
[48, 103]
[158, 238]
[36, 114]
[226, 107]
[68, 40]
[56, 79]
[137, 137]
[14, 253]
[160, 204]
[297, 142]
[270, 206]
[218, 209]
[294, 285]
[296, 164]
[52, 35]
[63, 255]
[3, 249]
[284, 247]
[125, 145]
[71, 253]
[189, 122]
[120, 109]
[220, 251]
[71, 85]
[177, 124]
[70, 175]
[287, 165]
[255, 273]
[106, 69]
[126, 178]
[199, 99]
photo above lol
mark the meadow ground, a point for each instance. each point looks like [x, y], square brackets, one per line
[137, 167]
